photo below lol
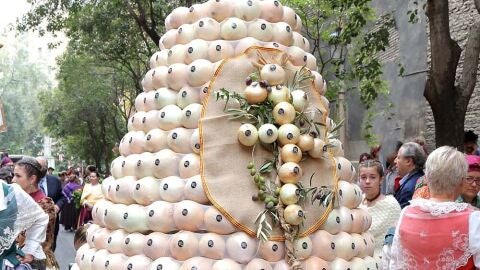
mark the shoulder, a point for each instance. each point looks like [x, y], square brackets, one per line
[389, 204]
[391, 201]
[52, 178]
[418, 174]
[47, 204]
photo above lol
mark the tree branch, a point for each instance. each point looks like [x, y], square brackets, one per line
[142, 23]
[470, 63]
[445, 52]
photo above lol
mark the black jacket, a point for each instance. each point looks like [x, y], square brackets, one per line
[406, 190]
[54, 190]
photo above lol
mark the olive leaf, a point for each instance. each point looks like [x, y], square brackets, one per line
[267, 167]
[299, 76]
[256, 114]
[337, 126]
[264, 228]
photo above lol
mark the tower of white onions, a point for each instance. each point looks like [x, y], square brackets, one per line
[229, 161]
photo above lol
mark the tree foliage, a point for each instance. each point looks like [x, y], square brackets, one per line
[110, 44]
[21, 79]
[346, 37]
[344, 46]
[82, 110]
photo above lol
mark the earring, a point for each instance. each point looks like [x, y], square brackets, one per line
[32, 188]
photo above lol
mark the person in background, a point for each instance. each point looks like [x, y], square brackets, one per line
[6, 174]
[410, 160]
[79, 240]
[50, 170]
[6, 160]
[391, 173]
[439, 233]
[89, 169]
[471, 184]
[51, 186]
[375, 151]
[20, 213]
[470, 146]
[62, 176]
[364, 157]
[92, 192]
[384, 210]
[80, 237]
[27, 174]
[421, 141]
[69, 218]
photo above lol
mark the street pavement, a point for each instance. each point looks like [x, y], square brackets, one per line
[65, 252]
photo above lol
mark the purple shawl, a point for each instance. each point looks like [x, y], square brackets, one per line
[68, 190]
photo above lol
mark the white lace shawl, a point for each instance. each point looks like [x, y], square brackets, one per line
[402, 260]
[30, 218]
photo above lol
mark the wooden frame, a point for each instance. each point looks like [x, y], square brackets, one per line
[3, 123]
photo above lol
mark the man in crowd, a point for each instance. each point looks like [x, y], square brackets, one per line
[410, 160]
[52, 187]
[470, 146]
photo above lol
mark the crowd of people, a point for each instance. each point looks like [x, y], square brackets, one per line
[424, 207]
[33, 205]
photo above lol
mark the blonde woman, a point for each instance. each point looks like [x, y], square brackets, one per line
[439, 233]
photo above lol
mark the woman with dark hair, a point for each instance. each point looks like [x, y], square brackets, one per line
[69, 216]
[92, 192]
[364, 157]
[19, 213]
[27, 173]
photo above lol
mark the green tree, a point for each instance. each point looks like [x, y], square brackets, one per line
[22, 78]
[120, 36]
[345, 37]
[82, 110]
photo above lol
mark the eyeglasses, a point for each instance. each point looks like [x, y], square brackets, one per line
[471, 179]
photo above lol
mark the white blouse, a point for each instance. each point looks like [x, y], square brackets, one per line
[30, 218]
[385, 214]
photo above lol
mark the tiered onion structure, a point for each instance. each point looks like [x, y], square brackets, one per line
[222, 172]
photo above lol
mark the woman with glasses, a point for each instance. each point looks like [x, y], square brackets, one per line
[384, 210]
[471, 184]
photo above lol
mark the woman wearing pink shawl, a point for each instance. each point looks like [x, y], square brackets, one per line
[439, 233]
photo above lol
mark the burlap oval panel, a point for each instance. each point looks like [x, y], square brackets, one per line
[225, 177]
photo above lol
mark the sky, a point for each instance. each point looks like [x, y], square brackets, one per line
[10, 10]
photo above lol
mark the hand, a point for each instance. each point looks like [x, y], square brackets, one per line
[57, 209]
[28, 258]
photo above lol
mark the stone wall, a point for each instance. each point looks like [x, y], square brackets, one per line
[411, 115]
[462, 16]
[405, 120]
